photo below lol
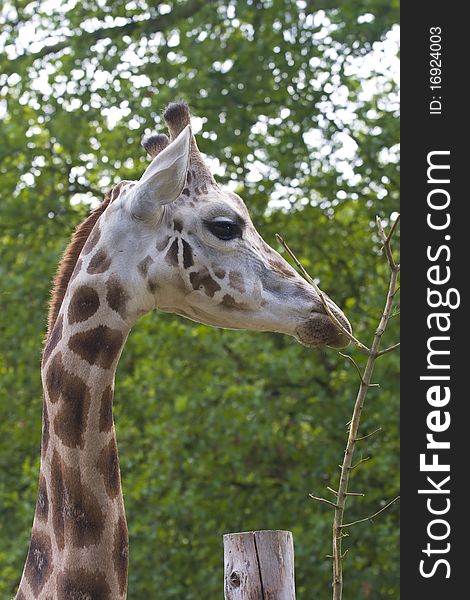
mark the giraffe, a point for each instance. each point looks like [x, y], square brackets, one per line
[173, 241]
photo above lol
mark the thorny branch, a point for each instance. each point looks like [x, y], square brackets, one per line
[373, 353]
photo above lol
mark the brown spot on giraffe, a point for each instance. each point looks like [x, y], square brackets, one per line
[203, 280]
[39, 562]
[54, 339]
[145, 263]
[188, 260]
[71, 420]
[230, 303]
[219, 273]
[121, 553]
[45, 428]
[57, 499]
[99, 346]
[204, 188]
[117, 296]
[83, 520]
[152, 285]
[106, 409]
[99, 263]
[83, 305]
[236, 281]
[108, 466]
[92, 240]
[177, 225]
[186, 192]
[172, 254]
[54, 377]
[81, 584]
[42, 502]
[188, 176]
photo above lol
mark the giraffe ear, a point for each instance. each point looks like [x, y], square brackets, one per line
[164, 179]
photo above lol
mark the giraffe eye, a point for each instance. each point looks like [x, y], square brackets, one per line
[224, 229]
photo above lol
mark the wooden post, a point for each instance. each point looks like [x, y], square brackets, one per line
[259, 565]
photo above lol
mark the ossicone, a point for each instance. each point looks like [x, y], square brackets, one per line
[154, 144]
[177, 116]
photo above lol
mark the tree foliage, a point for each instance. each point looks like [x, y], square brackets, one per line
[218, 430]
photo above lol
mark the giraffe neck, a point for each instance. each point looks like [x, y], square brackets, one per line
[79, 541]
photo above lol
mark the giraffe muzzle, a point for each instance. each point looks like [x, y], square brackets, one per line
[320, 329]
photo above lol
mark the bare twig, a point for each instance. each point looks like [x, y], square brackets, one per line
[328, 311]
[324, 500]
[364, 437]
[347, 465]
[386, 239]
[392, 229]
[365, 383]
[351, 359]
[389, 349]
[371, 516]
[363, 460]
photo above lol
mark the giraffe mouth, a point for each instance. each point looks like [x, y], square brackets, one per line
[319, 330]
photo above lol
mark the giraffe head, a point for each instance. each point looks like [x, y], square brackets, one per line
[182, 244]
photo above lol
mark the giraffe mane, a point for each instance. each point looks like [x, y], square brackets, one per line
[69, 260]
